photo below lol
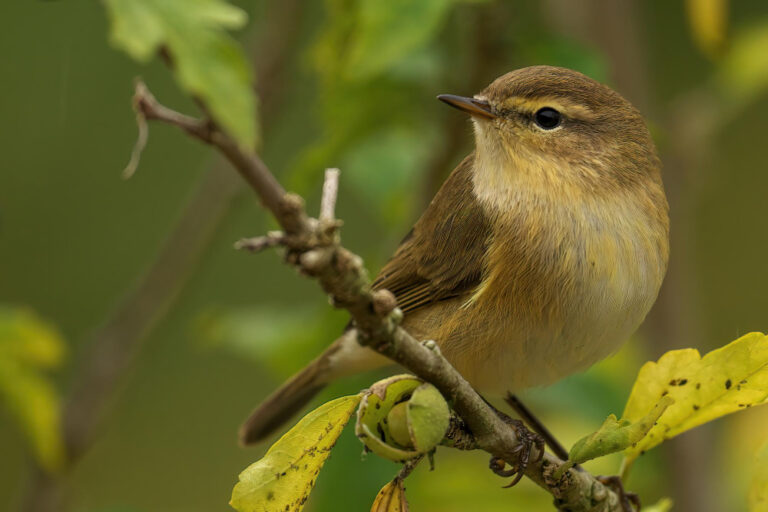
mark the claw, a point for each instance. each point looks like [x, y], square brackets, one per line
[527, 439]
[627, 499]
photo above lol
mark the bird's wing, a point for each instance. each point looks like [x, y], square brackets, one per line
[442, 256]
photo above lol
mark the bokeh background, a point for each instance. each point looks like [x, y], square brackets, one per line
[203, 332]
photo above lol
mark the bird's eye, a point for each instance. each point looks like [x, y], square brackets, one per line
[547, 118]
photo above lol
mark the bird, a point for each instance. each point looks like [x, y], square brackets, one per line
[541, 253]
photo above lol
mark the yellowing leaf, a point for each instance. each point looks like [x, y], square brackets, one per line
[703, 388]
[27, 344]
[282, 480]
[391, 498]
[28, 339]
[743, 74]
[758, 491]
[34, 402]
[208, 63]
[709, 23]
[616, 435]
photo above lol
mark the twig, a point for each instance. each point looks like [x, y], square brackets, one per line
[342, 275]
[138, 148]
[330, 192]
[259, 243]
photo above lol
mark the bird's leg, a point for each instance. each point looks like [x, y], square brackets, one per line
[628, 499]
[527, 440]
[534, 424]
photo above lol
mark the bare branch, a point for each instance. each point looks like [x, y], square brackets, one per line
[138, 148]
[314, 248]
[330, 192]
[259, 243]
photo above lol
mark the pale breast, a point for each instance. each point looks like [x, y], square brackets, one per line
[565, 287]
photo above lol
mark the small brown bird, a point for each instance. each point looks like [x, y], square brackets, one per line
[542, 252]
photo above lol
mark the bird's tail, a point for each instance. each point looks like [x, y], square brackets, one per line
[343, 357]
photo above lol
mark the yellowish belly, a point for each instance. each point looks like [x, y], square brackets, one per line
[553, 305]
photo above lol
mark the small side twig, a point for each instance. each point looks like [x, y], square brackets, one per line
[259, 243]
[138, 148]
[330, 193]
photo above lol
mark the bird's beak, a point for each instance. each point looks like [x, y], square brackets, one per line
[475, 107]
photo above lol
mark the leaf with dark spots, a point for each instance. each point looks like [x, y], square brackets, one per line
[744, 360]
[284, 477]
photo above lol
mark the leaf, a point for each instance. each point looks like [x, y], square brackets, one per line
[616, 435]
[758, 490]
[268, 335]
[27, 345]
[282, 480]
[743, 74]
[207, 62]
[663, 505]
[387, 31]
[391, 498]
[725, 380]
[709, 24]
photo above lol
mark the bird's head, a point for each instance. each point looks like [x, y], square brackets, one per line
[560, 129]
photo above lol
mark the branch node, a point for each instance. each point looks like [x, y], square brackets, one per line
[315, 260]
[431, 345]
[384, 302]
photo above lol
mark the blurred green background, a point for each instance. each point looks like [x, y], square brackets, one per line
[350, 84]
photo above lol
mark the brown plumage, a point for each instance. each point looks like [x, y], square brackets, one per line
[540, 254]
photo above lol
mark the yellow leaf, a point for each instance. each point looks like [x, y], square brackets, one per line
[725, 380]
[28, 339]
[709, 23]
[282, 480]
[391, 498]
[35, 404]
[758, 491]
[27, 344]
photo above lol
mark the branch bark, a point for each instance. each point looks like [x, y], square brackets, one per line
[313, 246]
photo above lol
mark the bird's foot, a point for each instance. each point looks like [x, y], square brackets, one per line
[630, 502]
[522, 453]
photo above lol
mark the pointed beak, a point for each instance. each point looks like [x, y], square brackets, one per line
[472, 106]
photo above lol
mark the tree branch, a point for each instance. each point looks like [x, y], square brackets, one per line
[313, 247]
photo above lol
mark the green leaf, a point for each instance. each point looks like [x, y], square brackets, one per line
[207, 62]
[387, 31]
[268, 335]
[283, 478]
[27, 345]
[758, 490]
[616, 435]
[419, 427]
[725, 380]
[663, 505]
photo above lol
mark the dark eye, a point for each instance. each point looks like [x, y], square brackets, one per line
[547, 118]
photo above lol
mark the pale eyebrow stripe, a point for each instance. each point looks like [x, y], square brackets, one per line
[569, 108]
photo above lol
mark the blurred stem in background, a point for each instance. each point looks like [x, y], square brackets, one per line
[115, 345]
